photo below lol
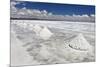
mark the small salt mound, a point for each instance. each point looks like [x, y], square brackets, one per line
[45, 33]
[37, 29]
[30, 26]
[24, 25]
[79, 43]
[20, 24]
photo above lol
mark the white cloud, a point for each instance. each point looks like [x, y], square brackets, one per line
[85, 15]
[50, 14]
[76, 15]
[92, 15]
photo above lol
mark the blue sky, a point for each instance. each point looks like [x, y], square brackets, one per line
[60, 9]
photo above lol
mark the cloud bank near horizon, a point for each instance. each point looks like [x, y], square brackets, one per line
[44, 14]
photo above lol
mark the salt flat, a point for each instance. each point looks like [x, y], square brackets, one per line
[51, 42]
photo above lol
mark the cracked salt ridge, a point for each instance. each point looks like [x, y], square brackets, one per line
[57, 53]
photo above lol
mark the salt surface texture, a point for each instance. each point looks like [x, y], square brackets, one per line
[46, 42]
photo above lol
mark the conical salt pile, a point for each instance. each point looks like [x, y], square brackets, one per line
[37, 29]
[45, 33]
[30, 26]
[79, 43]
[24, 25]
